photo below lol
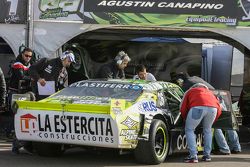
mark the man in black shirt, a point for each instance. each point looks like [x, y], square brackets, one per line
[185, 81]
[20, 79]
[115, 69]
[49, 70]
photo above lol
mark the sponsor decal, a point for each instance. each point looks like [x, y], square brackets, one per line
[28, 123]
[129, 122]
[135, 87]
[212, 19]
[161, 99]
[81, 99]
[48, 69]
[100, 85]
[52, 9]
[13, 11]
[116, 110]
[54, 13]
[106, 85]
[195, 13]
[67, 127]
[182, 142]
[147, 106]
[129, 134]
[117, 105]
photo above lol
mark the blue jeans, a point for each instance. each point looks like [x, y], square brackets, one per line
[233, 140]
[221, 141]
[195, 116]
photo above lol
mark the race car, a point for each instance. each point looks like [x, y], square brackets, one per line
[133, 115]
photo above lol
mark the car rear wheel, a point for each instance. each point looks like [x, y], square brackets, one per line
[48, 149]
[155, 150]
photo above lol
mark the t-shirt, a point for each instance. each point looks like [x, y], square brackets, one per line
[149, 77]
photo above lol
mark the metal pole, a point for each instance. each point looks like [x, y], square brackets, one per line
[30, 26]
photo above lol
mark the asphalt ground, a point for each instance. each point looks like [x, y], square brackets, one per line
[82, 157]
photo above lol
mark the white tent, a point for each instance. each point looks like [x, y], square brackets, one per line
[14, 35]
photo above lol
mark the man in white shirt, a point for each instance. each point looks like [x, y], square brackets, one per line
[143, 74]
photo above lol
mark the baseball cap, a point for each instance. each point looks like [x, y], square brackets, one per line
[68, 54]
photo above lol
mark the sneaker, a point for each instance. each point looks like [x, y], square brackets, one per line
[235, 152]
[15, 150]
[191, 159]
[15, 146]
[206, 158]
[218, 152]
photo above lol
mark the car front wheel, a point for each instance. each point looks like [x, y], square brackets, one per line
[155, 150]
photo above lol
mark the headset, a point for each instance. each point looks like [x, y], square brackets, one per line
[119, 62]
[121, 56]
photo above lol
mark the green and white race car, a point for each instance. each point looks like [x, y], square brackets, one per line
[131, 115]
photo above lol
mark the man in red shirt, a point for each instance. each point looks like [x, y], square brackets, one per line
[199, 105]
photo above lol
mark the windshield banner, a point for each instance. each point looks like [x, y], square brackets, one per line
[13, 11]
[195, 13]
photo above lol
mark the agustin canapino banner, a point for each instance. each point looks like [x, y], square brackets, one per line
[13, 11]
[194, 13]
[204, 7]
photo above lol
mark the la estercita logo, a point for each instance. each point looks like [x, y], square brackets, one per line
[28, 123]
[67, 127]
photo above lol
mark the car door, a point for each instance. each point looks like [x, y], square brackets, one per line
[173, 95]
[227, 120]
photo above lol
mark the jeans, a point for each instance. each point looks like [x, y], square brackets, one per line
[10, 125]
[233, 140]
[195, 116]
[221, 141]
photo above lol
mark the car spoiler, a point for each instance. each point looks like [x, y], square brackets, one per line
[63, 107]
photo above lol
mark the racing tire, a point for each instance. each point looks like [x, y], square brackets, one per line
[155, 150]
[48, 149]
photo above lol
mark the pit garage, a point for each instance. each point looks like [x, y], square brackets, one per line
[200, 52]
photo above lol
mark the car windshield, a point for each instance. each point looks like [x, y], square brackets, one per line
[104, 90]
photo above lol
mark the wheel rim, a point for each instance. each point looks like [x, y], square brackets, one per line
[160, 142]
